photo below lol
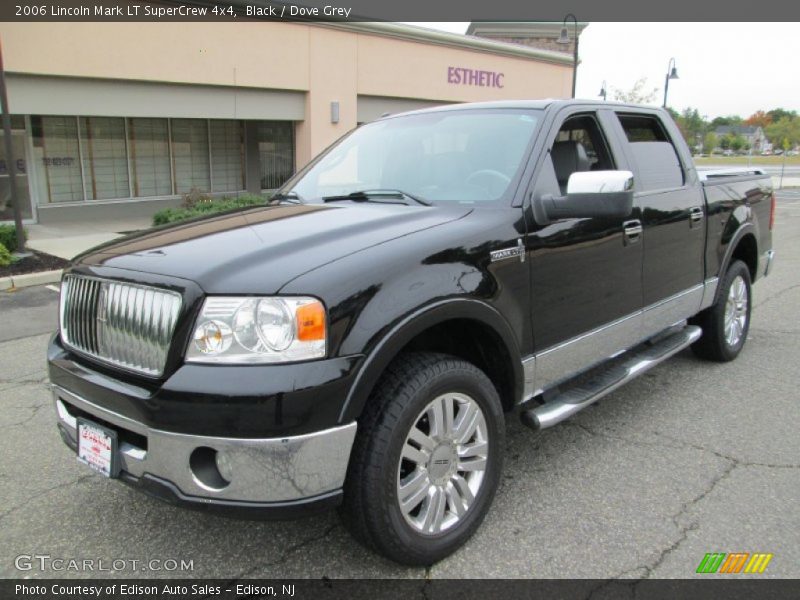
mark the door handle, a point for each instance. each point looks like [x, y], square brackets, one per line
[695, 215]
[632, 230]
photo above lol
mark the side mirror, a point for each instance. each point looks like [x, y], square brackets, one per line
[593, 194]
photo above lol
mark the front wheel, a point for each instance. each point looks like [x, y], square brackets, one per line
[726, 323]
[427, 459]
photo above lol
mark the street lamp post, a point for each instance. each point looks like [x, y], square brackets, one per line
[672, 73]
[603, 90]
[564, 39]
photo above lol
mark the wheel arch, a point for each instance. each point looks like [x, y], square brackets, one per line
[466, 328]
[744, 247]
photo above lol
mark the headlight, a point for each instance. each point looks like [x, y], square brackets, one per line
[258, 330]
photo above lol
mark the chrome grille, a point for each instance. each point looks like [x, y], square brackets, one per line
[124, 324]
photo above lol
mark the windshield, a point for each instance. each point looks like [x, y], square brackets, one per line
[468, 156]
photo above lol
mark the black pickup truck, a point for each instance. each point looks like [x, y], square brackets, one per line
[360, 340]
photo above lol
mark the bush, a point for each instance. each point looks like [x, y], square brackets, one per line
[194, 197]
[8, 237]
[205, 208]
[5, 256]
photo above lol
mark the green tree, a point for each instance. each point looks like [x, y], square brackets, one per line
[692, 125]
[638, 94]
[737, 143]
[709, 142]
[726, 121]
[725, 142]
[787, 127]
[776, 114]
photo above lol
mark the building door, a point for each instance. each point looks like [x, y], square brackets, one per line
[23, 190]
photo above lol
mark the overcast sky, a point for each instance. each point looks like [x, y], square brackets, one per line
[723, 68]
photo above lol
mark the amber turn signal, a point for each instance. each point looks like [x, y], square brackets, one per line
[310, 322]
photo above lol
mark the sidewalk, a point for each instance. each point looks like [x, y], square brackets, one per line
[67, 240]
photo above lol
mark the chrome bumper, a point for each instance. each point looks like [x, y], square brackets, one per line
[256, 470]
[767, 259]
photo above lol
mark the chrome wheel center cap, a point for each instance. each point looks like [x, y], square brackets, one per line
[442, 464]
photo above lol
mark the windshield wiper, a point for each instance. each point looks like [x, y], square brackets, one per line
[368, 195]
[290, 197]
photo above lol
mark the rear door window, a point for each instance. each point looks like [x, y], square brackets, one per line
[655, 156]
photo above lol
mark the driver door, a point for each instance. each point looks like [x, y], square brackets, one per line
[586, 274]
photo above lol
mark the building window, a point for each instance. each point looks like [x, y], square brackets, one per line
[105, 157]
[276, 152]
[190, 159]
[227, 147]
[149, 148]
[79, 158]
[56, 151]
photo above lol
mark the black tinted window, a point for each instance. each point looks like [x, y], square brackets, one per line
[656, 158]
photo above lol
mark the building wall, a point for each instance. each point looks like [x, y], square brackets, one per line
[326, 63]
[257, 71]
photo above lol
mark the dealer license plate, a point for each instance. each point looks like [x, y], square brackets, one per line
[97, 447]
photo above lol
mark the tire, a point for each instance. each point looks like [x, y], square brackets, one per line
[405, 397]
[726, 323]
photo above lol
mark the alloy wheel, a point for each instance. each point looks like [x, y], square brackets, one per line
[443, 463]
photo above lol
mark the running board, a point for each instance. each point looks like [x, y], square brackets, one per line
[581, 395]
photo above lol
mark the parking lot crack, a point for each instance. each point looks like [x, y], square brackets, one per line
[287, 553]
[35, 409]
[684, 529]
[739, 462]
[27, 501]
[677, 444]
[731, 463]
[617, 438]
[775, 296]
[20, 382]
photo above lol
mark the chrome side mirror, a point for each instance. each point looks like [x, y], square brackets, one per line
[592, 194]
[599, 182]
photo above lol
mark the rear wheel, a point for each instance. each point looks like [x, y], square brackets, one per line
[426, 460]
[726, 324]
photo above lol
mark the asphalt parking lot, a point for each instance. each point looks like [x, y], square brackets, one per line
[691, 458]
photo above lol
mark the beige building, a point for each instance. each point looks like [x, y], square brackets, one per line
[113, 119]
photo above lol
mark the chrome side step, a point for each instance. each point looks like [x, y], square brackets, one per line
[580, 395]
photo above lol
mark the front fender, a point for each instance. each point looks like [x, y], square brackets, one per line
[379, 298]
[422, 319]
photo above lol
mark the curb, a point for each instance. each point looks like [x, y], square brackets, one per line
[30, 279]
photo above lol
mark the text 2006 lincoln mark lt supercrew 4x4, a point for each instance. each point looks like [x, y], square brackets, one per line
[361, 340]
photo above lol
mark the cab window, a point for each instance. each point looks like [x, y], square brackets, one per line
[657, 163]
[579, 146]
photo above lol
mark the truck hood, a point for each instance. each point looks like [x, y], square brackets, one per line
[260, 250]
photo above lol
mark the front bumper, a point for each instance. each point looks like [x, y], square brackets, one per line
[287, 474]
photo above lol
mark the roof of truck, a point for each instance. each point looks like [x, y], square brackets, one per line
[539, 104]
